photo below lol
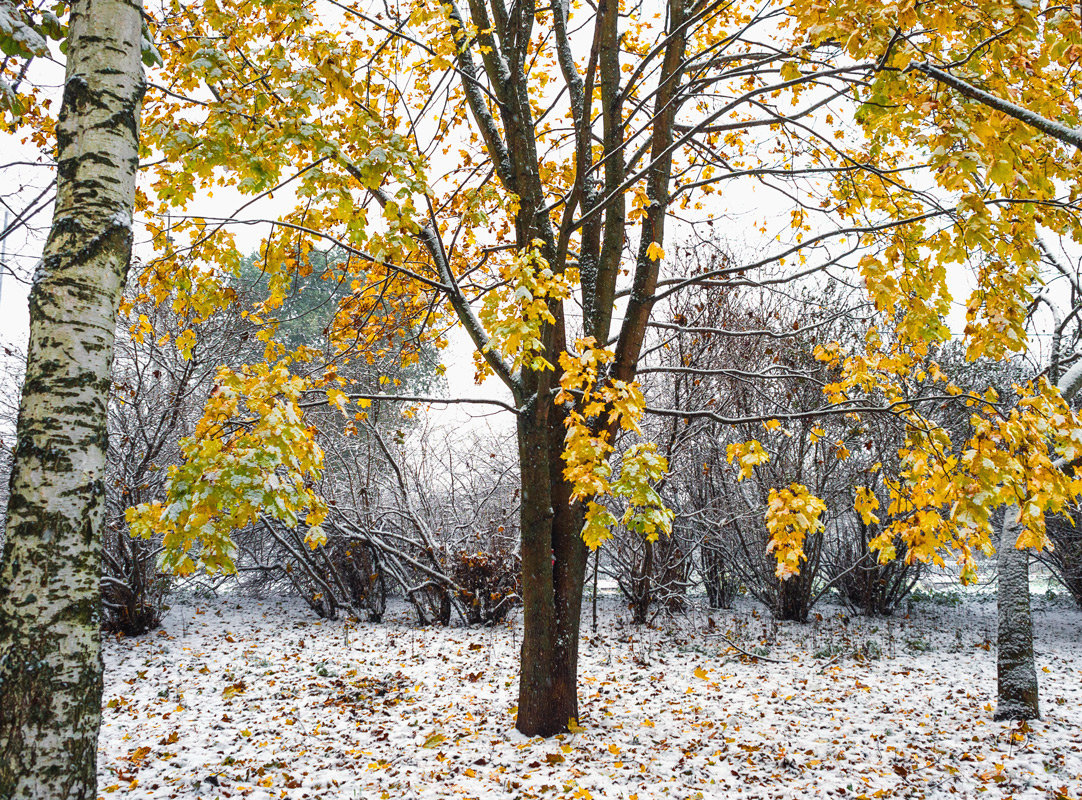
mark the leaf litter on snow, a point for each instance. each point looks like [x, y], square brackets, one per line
[249, 698]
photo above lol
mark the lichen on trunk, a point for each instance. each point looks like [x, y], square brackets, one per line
[50, 602]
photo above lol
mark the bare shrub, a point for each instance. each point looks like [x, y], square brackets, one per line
[864, 584]
[489, 583]
[1064, 560]
[133, 589]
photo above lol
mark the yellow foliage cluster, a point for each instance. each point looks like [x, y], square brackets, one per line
[747, 455]
[792, 515]
[308, 95]
[596, 409]
[251, 455]
[515, 317]
[947, 491]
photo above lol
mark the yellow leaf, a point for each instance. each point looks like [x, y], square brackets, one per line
[337, 398]
[434, 740]
[789, 71]
[748, 455]
[655, 252]
[185, 343]
[865, 503]
[315, 537]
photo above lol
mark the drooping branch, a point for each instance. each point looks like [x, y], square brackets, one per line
[1059, 131]
[403, 398]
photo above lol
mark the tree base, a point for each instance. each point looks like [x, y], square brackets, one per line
[1016, 710]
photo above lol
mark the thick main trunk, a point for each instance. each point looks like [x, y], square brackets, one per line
[50, 604]
[1016, 674]
[553, 573]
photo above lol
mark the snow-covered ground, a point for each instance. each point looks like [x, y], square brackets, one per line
[244, 698]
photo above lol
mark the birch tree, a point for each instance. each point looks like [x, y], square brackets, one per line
[50, 604]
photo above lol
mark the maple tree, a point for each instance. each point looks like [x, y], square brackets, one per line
[517, 169]
[520, 227]
[999, 75]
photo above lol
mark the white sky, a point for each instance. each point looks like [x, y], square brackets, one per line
[14, 313]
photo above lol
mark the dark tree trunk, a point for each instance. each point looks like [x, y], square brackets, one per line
[642, 594]
[721, 587]
[553, 575]
[792, 600]
[553, 553]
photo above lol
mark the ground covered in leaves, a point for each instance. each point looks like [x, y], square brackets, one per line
[236, 697]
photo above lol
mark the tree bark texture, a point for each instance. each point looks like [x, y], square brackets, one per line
[50, 602]
[1016, 675]
[554, 560]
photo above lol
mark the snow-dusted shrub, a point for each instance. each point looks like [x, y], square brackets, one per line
[489, 583]
[864, 584]
[344, 574]
[719, 581]
[133, 589]
[1065, 559]
[650, 575]
[155, 398]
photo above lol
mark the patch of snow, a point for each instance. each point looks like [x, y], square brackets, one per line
[237, 697]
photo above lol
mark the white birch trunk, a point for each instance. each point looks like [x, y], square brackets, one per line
[50, 603]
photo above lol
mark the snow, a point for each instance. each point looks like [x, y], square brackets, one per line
[238, 697]
[14, 28]
[121, 218]
[1071, 382]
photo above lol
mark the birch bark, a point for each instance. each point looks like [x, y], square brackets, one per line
[50, 602]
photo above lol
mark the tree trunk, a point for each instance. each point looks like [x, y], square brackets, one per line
[50, 602]
[641, 586]
[792, 600]
[1017, 677]
[553, 575]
